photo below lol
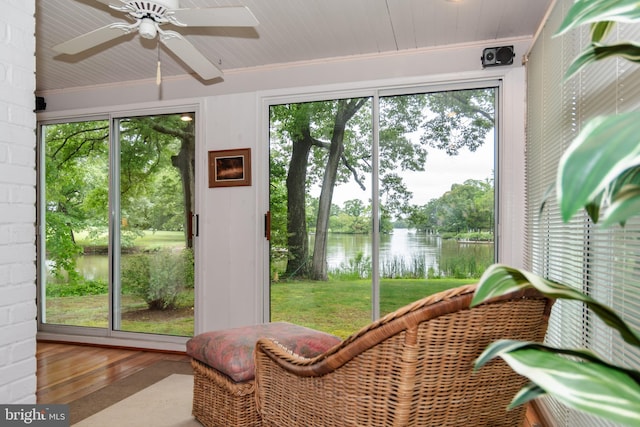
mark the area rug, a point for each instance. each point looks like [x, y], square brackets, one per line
[160, 395]
[166, 403]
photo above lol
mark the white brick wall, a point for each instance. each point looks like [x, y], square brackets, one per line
[17, 203]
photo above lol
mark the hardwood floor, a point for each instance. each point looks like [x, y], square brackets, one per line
[67, 372]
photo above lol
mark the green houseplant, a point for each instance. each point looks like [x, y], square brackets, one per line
[600, 172]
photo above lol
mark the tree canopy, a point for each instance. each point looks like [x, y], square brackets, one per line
[466, 207]
[156, 181]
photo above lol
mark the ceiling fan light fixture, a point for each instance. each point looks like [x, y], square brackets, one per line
[148, 29]
[186, 117]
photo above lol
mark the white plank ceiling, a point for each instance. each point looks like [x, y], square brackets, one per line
[289, 31]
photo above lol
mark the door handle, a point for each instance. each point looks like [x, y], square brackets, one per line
[267, 225]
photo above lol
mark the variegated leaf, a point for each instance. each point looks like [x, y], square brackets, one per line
[500, 280]
[604, 149]
[529, 392]
[596, 52]
[626, 204]
[589, 387]
[590, 11]
[500, 347]
[600, 30]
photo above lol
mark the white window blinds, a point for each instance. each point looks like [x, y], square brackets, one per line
[603, 262]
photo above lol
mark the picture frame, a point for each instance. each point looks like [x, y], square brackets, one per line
[230, 168]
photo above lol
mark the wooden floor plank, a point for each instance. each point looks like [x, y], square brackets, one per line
[66, 372]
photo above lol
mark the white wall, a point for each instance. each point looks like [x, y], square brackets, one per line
[231, 248]
[17, 204]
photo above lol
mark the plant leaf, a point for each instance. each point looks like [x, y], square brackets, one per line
[596, 388]
[498, 280]
[529, 392]
[596, 52]
[593, 208]
[545, 197]
[590, 11]
[604, 149]
[600, 30]
[501, 347]
[625, 204]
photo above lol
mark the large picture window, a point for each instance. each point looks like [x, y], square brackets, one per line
[379, 200]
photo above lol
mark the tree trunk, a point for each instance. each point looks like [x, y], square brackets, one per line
[319, 261]
[346, 109]
[297, 239]
[184, 161]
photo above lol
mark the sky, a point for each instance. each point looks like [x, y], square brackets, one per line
[441, 171]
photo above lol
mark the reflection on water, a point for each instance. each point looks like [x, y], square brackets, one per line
[402, 244]
[406, 245]
[91, 267]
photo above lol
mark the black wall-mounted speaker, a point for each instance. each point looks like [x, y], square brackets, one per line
[495, 56]
[40, 104]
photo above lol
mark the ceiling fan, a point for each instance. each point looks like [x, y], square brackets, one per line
[149, 16]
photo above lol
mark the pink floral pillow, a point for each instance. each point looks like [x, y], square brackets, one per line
[230, 351]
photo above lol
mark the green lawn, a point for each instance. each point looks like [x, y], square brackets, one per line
[342, 307]
[150, 239]
[338, 307]
[92, 311]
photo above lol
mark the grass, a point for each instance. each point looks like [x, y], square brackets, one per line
[150, 239]
[91, 311]
[343, 307]
[337, 307]
[160, 238]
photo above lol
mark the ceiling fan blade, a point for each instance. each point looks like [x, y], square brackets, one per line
[190, 55]
[230, 16]
[109, 2]
[89, 40]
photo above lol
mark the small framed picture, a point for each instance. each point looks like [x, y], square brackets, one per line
[230, 168]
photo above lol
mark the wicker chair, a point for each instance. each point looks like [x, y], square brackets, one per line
[413, 367]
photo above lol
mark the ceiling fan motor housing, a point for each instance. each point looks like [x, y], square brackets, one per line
[155, 10]
[155, 5]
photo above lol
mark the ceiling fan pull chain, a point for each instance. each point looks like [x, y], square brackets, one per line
[158, 72]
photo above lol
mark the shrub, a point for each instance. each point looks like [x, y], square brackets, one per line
[158, 277]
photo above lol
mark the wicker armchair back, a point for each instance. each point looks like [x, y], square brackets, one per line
[413, 367]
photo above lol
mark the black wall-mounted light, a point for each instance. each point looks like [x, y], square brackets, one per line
[495, 56]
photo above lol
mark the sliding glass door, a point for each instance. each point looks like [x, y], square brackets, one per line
[320, 231]
[74, 212]
[378, 201]
[438, 204]
[132, 270]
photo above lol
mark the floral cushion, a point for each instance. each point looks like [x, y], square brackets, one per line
[230, 351]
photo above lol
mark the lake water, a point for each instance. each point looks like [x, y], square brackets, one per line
[410, 247]
[402, 244]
